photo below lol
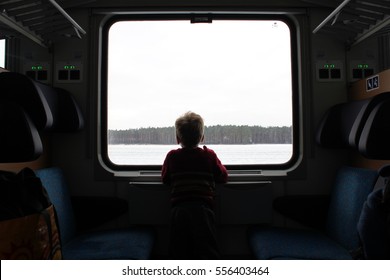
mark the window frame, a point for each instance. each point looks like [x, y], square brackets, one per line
[4, 54]
[244, 171]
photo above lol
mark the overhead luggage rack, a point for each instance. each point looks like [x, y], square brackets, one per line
[354, 20]
[41, 21]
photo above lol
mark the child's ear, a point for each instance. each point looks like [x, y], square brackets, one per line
[177, 140]
[202, 139]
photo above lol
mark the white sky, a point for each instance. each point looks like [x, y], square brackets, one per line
[229, 72]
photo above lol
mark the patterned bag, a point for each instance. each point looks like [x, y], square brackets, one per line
[28, 222]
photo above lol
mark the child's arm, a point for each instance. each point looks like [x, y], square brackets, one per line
[220, 172]
[165, 176]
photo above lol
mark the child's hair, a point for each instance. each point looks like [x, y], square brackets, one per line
[189, 129]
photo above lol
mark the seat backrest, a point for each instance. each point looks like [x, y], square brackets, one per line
[334, 128]
[375, 136]
[19, 138]
[30, 95]
[351, 188]
[68, 116]
[50, 109]
[364, 114]
[54, 182]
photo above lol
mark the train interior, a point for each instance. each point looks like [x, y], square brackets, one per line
[53, 120]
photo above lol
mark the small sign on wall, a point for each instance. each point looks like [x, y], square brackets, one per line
[370, 86]
[372, 83]
[69, 72]
[37, 70]
[329, 71]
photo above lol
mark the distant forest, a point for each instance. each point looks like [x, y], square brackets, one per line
[218, 134]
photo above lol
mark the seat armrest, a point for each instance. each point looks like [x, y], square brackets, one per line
[308, 210]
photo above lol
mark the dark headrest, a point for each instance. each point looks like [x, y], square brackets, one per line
[361, 119]
[335, 127]
[51, 109]
[19, 139]
[374, 142]
[67, 116]
[30, 95]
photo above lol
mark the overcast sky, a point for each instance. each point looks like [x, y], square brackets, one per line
[229, 72]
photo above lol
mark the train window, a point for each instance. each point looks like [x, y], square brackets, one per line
[237, 74]
[2, 53]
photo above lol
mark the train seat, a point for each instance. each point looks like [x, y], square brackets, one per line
[375, 134]
[336, 125]
[340, 127]
[373, 225]
[370, 107]
[68, 116]
[129, 243]
[32, 96]
[27, 106]
[50, 109]
[343, 124]
[19, 138]
[351, 188]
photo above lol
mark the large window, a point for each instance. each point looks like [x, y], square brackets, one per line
[237, 74]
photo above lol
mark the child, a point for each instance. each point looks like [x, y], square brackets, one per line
[192, 173]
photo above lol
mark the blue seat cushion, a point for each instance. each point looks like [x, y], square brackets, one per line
[280, 243]
[351, 187]
[53, 180]
[129, 243]
[132, 243]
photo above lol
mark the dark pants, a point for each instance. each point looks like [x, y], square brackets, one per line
[193, 232]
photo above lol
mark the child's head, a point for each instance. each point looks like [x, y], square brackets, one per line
[189, 130]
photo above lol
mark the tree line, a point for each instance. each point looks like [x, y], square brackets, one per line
[218, 134]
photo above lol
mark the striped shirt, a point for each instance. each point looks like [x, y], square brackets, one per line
[192, 174]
